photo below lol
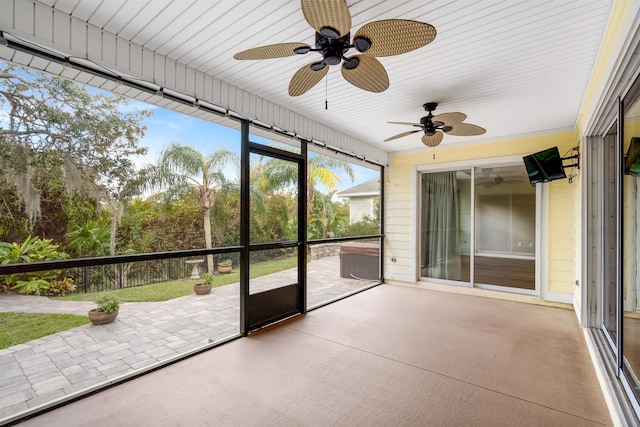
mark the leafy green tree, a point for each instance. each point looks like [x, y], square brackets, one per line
[182, 167]
[89, 239]
[59, 138]
[272, 202]
[226, 216]
[368, 224]
[320, 169]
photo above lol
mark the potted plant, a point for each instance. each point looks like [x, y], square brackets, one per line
[204, 287]
[106, 311]
[225, 266]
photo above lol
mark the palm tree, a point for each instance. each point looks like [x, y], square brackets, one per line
[182, 167]
[320, 169]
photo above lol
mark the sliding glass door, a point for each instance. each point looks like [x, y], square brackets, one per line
[476, 222]
[630, 240]
[505, 205]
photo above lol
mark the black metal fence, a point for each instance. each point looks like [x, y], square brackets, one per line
[97, 278]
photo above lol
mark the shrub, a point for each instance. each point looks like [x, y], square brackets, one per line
[33, 249]
[34, 286]
[62, 287]
[208, 279]
[108, 303]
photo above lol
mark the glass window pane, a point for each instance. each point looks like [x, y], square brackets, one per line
[343, 198]
[505, 227]
[273, 268]
[610, 254]
[273, 203]
[631, 245]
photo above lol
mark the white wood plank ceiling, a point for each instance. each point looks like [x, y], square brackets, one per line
[515, 67]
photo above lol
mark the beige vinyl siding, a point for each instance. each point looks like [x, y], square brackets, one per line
[561, 237]
[359, 207]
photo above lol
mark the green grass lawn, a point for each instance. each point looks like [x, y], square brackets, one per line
[18, 328]
[164, 291]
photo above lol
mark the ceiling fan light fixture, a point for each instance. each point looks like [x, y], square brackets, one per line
[318, 66]
[351, 63]
[301, 50]
[332, 58]
[362, 44]
[329, 32]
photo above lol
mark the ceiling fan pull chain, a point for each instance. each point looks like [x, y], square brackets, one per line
[326, 91]
[434, 153]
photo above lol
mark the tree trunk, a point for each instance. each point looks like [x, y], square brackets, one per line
[112, 234]
[207, 239]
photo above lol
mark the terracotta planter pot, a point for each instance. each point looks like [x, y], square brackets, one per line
[201, 289]
[100, 318]
[224, 269]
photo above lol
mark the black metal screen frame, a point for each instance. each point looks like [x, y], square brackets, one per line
[263, 308]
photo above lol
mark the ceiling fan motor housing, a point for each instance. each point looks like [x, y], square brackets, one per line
[332, 49]
[430, 106]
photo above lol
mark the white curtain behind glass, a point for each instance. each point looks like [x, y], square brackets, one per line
[439, 228]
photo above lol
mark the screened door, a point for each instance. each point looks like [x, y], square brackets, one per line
[276, 265]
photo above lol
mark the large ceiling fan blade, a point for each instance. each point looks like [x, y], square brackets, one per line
[279, 50]
[466, 129]
[434, 140]
[324, 15]
[400, 135]
[450, 119]
[305, 78]
[369, 74]
[405, 123]
[395, 36]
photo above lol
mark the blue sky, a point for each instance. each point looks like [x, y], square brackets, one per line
[167, 126]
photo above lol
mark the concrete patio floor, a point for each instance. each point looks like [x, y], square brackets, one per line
[58, 365]
[390, 356]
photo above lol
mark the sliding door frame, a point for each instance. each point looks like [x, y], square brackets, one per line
[472, 165]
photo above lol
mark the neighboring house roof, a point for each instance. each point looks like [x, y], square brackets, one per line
[369, 188]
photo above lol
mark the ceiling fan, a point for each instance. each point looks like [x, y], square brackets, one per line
[332, 21]
[435, 127]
